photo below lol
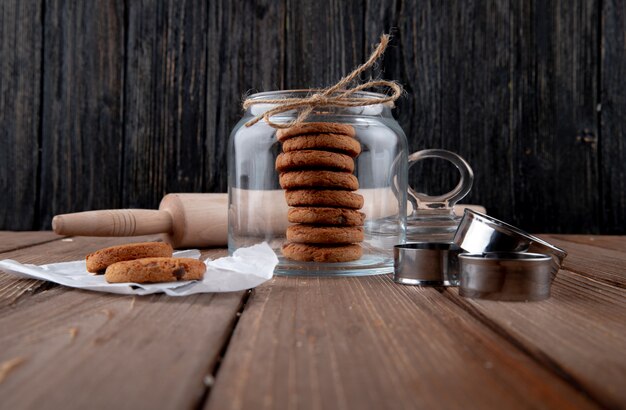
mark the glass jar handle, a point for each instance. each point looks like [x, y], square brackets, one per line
[448, 200]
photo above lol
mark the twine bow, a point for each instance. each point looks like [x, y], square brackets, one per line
[338, 95]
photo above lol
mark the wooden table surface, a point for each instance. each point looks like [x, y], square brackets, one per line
[313, 343]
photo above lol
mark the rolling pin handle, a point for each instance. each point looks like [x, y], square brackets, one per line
[121, 222]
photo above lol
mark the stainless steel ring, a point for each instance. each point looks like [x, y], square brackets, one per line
[480, 234]
[426, 264]
[505, 276]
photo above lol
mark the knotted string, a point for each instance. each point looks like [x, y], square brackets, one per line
[338, 95]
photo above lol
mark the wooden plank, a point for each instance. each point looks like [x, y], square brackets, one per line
[614, 242]
[408, 60]
[554, 126]
[82, 113]
[20, 105]
[369, 343]
[532, 144]
[323, 42]
[613, 116]
[511, 86]
[606, 265]
[15, 240]
[415, 58]
[245, 55]
[165, 100]
[109, 351]
[579, 332]
[477, 69]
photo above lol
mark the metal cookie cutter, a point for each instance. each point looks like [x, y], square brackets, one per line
[505, 276]
[504, 262]
[478, 233]
[433, 218]
[426, 264]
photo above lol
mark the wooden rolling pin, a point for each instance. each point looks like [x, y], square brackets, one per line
[201, 220]
[185, 220]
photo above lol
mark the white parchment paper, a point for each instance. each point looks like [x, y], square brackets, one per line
[245, 269]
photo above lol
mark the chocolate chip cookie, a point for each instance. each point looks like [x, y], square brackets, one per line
[153, 270]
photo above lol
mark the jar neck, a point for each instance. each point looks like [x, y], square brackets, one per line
[260, 106]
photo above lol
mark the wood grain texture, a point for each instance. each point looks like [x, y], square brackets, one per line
[165, 99]
[476, 114]
[415, 59]
[323, 42]
[82, 111]
[109, 351]
[14, 244]
[494, 82]
[614, 242]
[16, 240]
[313, 342]
[113, 351]
[613, 116]
[555, 126]
[139, 97]
[367, 343]
[20, 105]
[59, 250]
[580, 332]
[246, 54]
[599, 263]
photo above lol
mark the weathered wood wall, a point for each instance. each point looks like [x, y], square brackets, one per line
[114, 103]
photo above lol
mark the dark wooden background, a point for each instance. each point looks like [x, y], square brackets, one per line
[113, 103]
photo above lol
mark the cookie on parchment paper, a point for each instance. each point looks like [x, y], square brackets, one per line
[154, 270]
[99, 260]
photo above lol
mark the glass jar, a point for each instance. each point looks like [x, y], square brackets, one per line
[257, 208]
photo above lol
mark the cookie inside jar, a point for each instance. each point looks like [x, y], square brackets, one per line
[328, 194]
[314, 169]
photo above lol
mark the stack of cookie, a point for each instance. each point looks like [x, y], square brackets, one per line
[316, 168]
